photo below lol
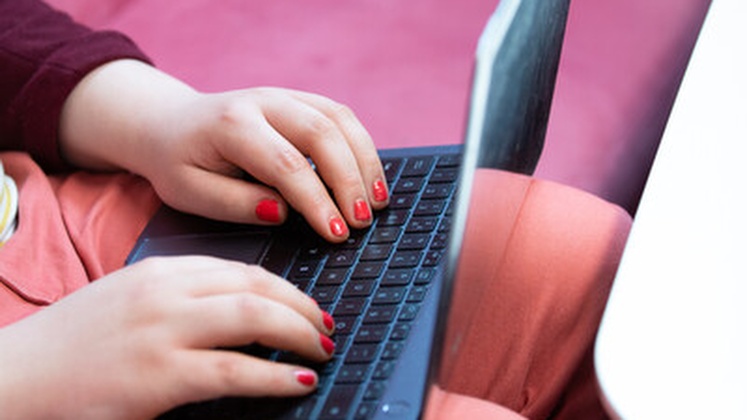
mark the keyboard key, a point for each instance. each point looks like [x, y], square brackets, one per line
[414, 241]
[383, 370]
[400, 332]
[409, 185]
[349, 306]
[332, 276]
[449, 161]
[448, 175]
[342, 342]
[304, 269]
[365, 411]
[362, 353]
[393, 218]
[385, 235]
[344, 324]
[432, 258]
[351, 374]
[391, 168]
[375, 390]
[338, 403]
[397, 277]
[392, 350]
[432, 191]
[409, 312]
[429, 208]
[314, 252]
[371, 333]
[355, 240]
[402, 201]
[368, 270]
[376, 252]
[418, 166]
[417, 293]
[405, 259]
[421, 225]
[425, 276]
[341, 258]
[440, 241]
[388, 295]
[324, 294]
[358, 288]
[380, 314]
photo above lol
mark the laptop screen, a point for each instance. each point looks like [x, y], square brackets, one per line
[513, 83]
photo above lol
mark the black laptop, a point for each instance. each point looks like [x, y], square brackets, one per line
[389, 286]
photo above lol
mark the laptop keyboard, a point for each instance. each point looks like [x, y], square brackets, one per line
[373, 285]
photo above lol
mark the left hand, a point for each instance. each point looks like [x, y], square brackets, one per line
[194, 147]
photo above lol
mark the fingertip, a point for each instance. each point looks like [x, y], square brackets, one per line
[269, 211]
[380, 194]
[338, 228]
[328, 322]
[307, 378]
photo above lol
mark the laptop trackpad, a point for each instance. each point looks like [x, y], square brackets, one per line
[247, 247]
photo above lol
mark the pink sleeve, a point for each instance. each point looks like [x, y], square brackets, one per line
[43, 56]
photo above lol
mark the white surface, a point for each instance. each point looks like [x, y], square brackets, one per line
[673, 342]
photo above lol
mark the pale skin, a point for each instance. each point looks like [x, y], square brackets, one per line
[151, 336]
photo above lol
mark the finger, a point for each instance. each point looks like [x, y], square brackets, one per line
[207, 276]
[360, 141]
[271, 158]
[219, 373]
[319, 137]
[230, 199]
[246, 318]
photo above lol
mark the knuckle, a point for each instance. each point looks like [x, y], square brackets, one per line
[234, 114]
[229, 373]
[289, 161]
[232, 111]
[341, 111]
[348, 181]
[321, 129]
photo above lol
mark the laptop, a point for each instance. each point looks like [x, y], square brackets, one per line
[389, 287]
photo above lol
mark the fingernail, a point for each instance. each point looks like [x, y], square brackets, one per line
[338, 227]
[306, 378]
[329, 322]
[379, 191]
[327, 344]
[268, 211]
[362, 212]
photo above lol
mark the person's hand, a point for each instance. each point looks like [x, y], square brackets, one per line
[194, 148]
[152, 336]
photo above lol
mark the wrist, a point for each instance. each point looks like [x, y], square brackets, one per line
[110, 119]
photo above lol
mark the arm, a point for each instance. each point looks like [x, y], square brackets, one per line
[43, 56]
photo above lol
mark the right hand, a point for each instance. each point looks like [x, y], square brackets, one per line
[147, 338]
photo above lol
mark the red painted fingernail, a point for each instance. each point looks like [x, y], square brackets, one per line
[362, 212]
[338, 227]
[268, 211]
[306, 378]
[327, 344]
[379, 191]
[329, 322]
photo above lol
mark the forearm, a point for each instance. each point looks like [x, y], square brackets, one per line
[110, 118]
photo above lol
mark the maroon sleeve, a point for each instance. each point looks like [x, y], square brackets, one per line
[43, 55]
